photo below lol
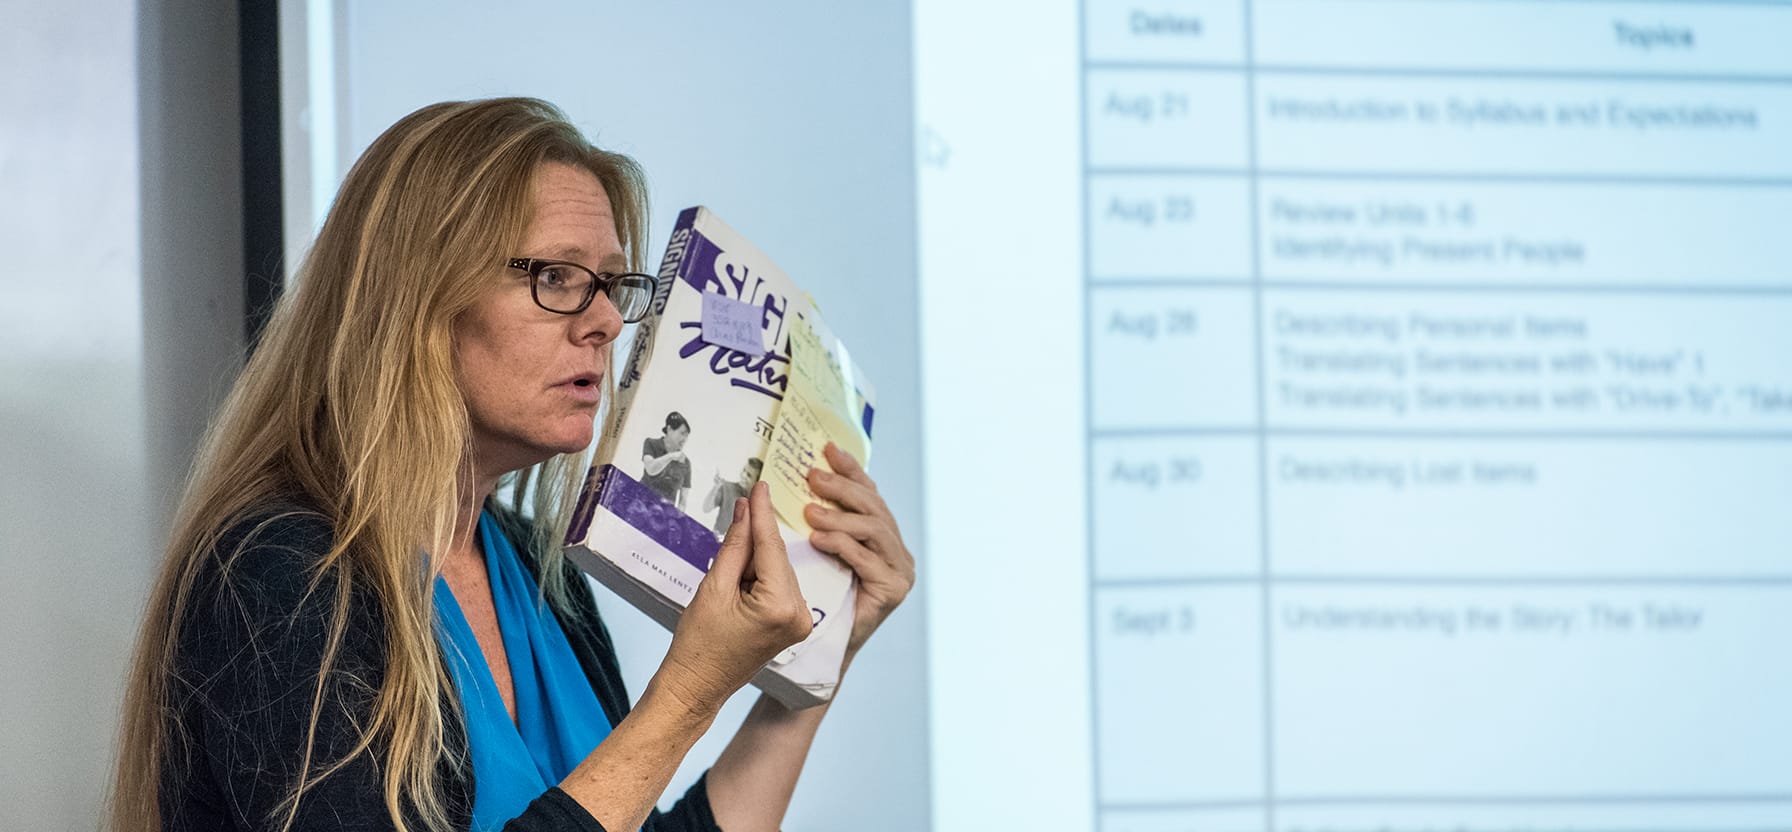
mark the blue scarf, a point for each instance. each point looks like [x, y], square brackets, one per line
[558, 719]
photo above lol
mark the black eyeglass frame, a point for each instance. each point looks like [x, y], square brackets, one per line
[600, 281]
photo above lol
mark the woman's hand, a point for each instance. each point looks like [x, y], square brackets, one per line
[863, 534]
[747, 610]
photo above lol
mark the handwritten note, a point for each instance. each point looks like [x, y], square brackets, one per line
[734, 324]
[814, 367]
[815, 411]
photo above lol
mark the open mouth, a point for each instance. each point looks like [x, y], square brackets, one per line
[583, 387]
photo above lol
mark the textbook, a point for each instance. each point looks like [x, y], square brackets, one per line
[733, 377]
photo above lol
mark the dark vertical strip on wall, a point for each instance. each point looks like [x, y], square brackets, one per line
[263, 232]
[189, 141]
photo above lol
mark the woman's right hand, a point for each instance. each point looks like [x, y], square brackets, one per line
[747, 610]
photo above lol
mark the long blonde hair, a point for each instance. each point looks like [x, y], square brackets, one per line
[350, 407]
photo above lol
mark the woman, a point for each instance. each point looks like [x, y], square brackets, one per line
[336, 639]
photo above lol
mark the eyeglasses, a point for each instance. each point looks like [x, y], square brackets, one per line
[567, 288]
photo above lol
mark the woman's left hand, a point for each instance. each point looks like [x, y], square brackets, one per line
[864, 535]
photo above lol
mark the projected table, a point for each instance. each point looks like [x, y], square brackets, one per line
[1440, 414]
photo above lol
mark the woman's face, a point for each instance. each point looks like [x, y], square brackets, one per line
[531, 378]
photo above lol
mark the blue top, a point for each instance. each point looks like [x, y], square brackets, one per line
[558, 719]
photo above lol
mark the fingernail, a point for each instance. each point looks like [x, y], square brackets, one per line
[740, 508]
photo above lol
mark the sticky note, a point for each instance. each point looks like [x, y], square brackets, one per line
[815, 412]
[840, 373]
[799, 436]
[734, 324]
[814, 368]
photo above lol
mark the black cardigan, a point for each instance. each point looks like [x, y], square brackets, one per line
[248, 654]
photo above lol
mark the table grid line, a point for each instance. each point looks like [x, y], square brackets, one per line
[1418, 284]
[1266, 634]
[1455, 800]
[1776, 3]
[1443, 434]
[1448, 176]
[1090, 520]
[1336, 71]
[1415, 579]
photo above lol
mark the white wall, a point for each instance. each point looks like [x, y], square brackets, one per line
[71, 399]
[120, 307]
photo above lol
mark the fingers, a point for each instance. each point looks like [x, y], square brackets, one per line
[848, 492]
[863, 528]
[863, 562]
[731, 558]
[770, 561]
[847, 466]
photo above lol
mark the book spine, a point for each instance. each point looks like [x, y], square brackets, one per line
[640, 352]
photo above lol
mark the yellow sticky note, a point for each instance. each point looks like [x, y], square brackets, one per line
[814, 412]
[814, 369]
